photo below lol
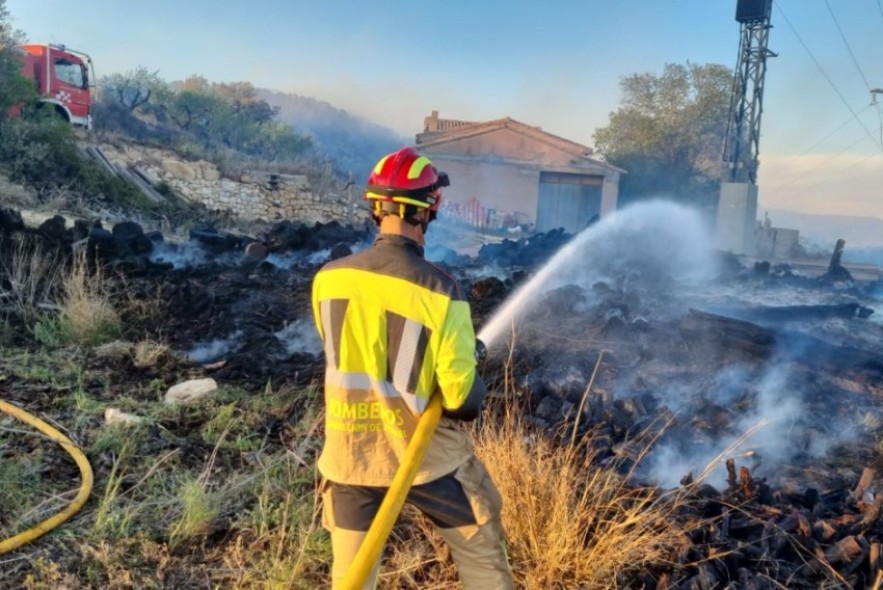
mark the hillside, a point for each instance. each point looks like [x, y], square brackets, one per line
[352, 143]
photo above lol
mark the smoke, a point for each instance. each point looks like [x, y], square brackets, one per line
[446, 236]
[661, 256]
[183, 255]
[290, 260]
[213, 350]
[191, 254]
[300, 336]
[867, 255]
[285, 261]
[761, 433]
[771, 426]
[654, 247]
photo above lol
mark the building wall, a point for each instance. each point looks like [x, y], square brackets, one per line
[495, 177]
[776, 242]
[489, 194]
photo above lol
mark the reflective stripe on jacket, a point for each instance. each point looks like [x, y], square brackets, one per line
[395, 329]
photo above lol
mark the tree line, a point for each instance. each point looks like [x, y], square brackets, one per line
[226, 116]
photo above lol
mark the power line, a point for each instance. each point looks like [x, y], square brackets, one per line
[848, 48]
[830, 158]
[817, 143]
[880, 6]
[821, 182]
[828, 78]
[789, 180]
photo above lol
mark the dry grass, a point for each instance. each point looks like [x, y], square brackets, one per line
[416, 556]
[87, 315]
[147, 353]
[570, 523]
[29, 276]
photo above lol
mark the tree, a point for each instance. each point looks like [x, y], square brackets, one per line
[193, 110]
[279, 141]
[231, 116]
[134, 88]
[669, 132]
[14, 88]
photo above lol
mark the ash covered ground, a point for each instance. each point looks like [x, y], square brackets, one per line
[635, 331]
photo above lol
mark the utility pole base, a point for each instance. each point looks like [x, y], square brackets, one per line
[737, 217]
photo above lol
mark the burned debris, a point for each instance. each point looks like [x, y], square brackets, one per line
[770, 377]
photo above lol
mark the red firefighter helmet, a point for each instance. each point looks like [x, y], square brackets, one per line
[407, 178]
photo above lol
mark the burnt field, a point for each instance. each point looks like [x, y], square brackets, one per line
[752, 394]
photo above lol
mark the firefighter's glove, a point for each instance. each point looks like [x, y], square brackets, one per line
[480, 350]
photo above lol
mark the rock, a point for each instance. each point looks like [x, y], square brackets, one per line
[127, 231]
[130, 238]
[213, 241]
[190, 390]
[102, 245]
[178, 169]
[114, 416]
[155, 237]
[256, 250]
[10, 221]
[54, 229]
[208, 171]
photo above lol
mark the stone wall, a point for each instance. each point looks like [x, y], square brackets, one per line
[255, 195]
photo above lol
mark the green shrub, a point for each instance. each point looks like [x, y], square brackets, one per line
[40, 151]
[48, 330]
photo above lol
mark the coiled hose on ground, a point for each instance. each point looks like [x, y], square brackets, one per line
[86, 477]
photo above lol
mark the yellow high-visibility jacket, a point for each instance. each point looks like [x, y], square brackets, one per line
[395, 329]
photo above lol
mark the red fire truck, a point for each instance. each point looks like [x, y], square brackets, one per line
[65, 79]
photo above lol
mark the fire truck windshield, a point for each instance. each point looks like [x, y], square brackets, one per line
[70, 72]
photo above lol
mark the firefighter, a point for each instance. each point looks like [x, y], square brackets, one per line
[396, 330]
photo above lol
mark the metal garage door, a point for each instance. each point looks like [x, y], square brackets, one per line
[568, 200]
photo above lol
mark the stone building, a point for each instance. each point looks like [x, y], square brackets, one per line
[509, 175]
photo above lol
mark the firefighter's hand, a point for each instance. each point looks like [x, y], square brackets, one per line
[480, 350]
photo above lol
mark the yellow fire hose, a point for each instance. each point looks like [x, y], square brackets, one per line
[381, 527]
[81, 497]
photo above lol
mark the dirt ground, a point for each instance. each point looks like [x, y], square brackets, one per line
[663, 375]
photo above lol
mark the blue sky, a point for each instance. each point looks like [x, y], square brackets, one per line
[555, 64]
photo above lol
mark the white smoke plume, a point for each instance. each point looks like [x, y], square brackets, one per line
[179, 255]
[213, 350]
[300, 336]
[773, 428]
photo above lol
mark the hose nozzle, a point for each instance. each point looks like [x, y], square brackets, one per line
[480, 350]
